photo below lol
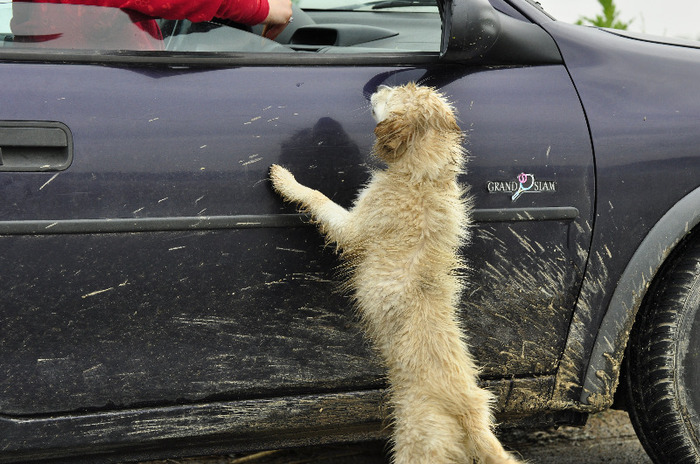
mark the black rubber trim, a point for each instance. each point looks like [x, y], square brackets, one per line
[109, 226]
[217, 59]
[558, 213]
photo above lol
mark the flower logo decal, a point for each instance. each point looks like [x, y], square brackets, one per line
[524, 183]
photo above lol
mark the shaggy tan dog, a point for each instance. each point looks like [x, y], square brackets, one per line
[401, 242]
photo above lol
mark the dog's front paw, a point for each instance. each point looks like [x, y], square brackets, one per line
[283, 181]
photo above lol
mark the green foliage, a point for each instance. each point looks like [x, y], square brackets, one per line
[609, 18]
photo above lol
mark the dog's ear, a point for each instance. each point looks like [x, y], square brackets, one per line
[437, 114]
[445, 121]
[393, 134]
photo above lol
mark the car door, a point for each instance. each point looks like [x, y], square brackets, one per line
[147, 261]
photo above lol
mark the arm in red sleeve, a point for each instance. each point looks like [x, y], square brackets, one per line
[244, 11]
[241, 11]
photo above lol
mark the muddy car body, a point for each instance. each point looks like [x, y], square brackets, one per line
[159, 300]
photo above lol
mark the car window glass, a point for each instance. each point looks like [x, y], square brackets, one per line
[318, 27]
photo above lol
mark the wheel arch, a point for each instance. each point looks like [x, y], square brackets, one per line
[602, 375]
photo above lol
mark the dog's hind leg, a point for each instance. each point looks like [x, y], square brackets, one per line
[441, 414]
[423, 434]
[484, 446]
[331, 217]
[480, 442]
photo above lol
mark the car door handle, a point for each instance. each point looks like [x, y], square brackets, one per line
[35, 146]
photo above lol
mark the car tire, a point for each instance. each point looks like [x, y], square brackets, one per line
[663, 364]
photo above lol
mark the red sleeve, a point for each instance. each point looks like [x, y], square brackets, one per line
[244, 11]
[241, 11]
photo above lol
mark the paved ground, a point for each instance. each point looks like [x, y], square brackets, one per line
[608, 437]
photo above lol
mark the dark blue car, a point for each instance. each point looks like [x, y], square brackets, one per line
[158, 299]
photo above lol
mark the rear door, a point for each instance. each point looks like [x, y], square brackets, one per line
[146, 261]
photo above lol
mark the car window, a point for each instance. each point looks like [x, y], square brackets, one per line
[318, 27]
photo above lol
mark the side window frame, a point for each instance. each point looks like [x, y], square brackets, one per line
[511, 41]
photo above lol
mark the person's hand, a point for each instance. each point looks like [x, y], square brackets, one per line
[277, 19]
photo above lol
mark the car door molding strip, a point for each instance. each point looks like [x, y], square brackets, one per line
[170, 224]
[556, 213]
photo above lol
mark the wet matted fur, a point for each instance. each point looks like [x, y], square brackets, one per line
[401, 242]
